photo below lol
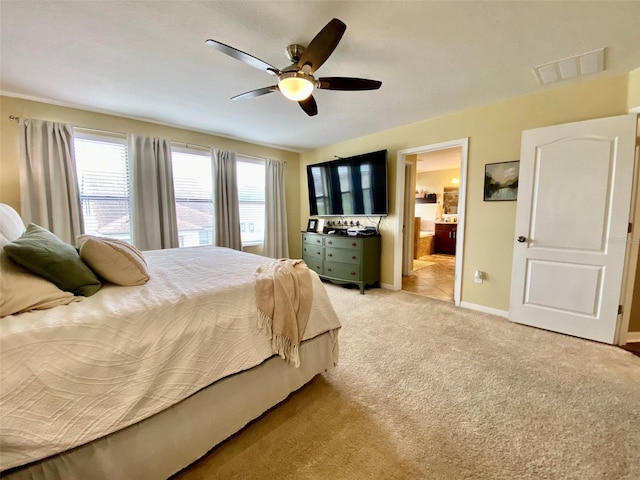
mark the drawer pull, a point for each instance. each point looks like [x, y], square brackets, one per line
[318, 253]
[353, 258]
[353, 273]
[330, 255]
[330, 242]
[328, 269]
[354, 244]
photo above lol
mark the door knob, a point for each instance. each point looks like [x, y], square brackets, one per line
[522, 239]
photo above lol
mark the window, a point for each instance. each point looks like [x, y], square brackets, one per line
[103, 181]
[321, 190]
[103, 178]
[194, 202]
[251, 185]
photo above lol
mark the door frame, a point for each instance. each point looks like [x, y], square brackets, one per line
[409, 213]
[633, 248]
[403, 230]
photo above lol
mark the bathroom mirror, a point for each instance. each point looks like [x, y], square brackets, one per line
[450, 201]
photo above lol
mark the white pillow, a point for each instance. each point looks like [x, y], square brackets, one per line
[115, 261]
[11, 225]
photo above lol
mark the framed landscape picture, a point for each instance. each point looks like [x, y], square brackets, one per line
[501, 181]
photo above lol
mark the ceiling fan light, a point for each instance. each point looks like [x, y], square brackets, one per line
[296, 86]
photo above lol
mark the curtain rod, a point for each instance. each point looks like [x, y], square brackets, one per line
[254, 157]
[96, 130]
[186, 145]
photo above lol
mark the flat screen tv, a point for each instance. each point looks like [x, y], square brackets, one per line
[349, 186]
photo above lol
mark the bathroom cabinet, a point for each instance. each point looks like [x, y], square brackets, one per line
[445, 237]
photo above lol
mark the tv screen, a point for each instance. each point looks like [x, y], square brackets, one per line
[349, 186]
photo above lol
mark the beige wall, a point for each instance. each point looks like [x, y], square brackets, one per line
[633, 98]
[494, 133]
[434, 182]
[9, 179]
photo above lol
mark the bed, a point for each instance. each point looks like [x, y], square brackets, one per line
[141, 381]
[423, 241]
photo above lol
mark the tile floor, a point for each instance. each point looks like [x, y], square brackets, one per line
[434, 277]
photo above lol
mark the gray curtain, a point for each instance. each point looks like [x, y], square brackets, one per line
[153, 205]
[226, 208]
[49, 191]
[276, 243]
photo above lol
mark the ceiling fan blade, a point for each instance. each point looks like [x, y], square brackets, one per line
[243, 57]
[322, 45]
[347, 83]
[256, 93]
[309, 106]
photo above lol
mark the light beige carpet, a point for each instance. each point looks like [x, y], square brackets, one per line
[428, 391]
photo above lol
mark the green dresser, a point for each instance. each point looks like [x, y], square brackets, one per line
[343, 259]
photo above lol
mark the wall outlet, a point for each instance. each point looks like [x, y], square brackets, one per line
[478, 277]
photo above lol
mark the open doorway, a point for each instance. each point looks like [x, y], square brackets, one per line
[406, 179]
[435, 222]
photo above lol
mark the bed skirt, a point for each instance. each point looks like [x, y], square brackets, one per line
[167, 442]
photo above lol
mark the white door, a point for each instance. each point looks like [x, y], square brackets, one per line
[572, 217]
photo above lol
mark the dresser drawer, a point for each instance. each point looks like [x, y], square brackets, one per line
[343, 255]
[342, 270]
[312, 251]
[314, 264]
[353, 243]
[311, 239]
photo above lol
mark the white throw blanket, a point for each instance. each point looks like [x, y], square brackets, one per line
[283, 300]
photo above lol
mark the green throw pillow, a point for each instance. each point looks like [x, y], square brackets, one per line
[41, 252]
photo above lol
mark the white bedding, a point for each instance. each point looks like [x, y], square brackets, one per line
[78, 372]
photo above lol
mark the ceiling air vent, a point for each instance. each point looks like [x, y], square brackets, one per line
[585, 64]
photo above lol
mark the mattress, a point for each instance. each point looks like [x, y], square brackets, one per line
[79, 372]
[165, 443]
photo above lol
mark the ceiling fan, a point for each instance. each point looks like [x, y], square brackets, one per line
[296, 82]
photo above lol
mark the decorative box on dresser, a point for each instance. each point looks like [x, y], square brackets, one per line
[343, 259]
[445, 237]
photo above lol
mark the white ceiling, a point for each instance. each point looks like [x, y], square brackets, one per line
[147, 59]
[444, 159]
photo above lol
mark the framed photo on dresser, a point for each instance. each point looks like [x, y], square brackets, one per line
[312, 225]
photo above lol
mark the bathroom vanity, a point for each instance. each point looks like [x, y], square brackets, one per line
[445, 237]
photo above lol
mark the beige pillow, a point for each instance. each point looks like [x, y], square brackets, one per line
[21, 290]
[116, 261]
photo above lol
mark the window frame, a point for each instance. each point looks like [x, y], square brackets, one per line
[240, 158]
[120, 139]
[205, 152]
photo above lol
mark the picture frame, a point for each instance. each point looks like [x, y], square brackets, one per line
[312, 225]
[501, 181]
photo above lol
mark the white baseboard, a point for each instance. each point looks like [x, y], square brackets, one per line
[633, 337]
[483, 309]
[388, 286]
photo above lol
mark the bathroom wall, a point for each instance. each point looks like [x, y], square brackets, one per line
[434, 182]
